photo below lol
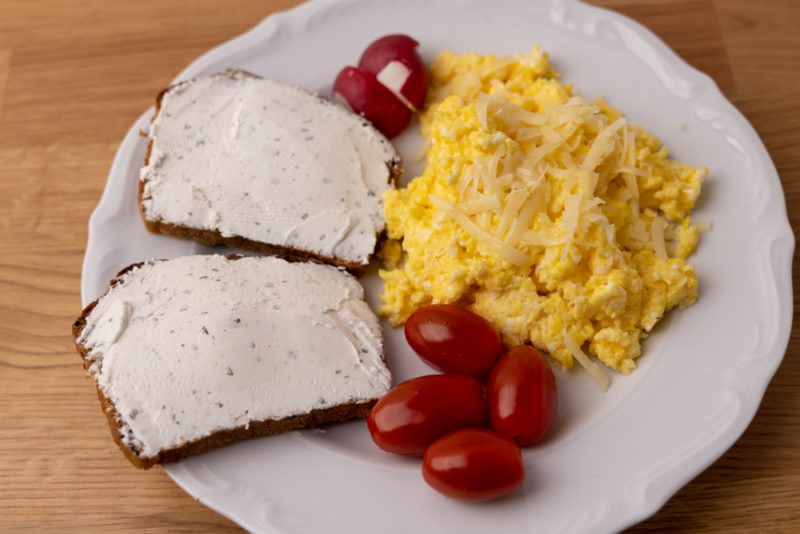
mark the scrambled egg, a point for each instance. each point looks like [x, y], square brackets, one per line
[551, 216]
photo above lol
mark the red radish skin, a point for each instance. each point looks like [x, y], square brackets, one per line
[364, 94]
[394, 60]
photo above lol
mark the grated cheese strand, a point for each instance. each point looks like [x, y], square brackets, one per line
[505, 250]
[657, 241]
[480, 204]
[592, 368]
[538, 239]
[522, 222]
[602, 146]
[513, 203]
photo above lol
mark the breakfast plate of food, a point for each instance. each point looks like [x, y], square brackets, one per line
[548, 180]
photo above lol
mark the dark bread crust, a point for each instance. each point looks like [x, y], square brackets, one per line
[215, 238]
[254, 429]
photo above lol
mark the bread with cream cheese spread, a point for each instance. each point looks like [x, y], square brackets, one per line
[254, 164]
[196, 352]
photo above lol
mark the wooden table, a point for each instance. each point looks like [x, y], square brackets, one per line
[75, 75]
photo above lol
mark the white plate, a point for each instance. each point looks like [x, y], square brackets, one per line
[613, 459]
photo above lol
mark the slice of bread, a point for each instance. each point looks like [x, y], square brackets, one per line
[254, 164]
[196, 352]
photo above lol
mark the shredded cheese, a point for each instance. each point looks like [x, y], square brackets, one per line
[588, 365]
[503, 190]
[480, 204]
[657, 227]
[506, 251]
[575, 218]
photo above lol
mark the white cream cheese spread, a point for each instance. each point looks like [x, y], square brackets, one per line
[250, 157]
[193, 345]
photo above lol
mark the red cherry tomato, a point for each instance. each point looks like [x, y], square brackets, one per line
[419, 410]
[453, 339]
[473, 464]
[522, 395]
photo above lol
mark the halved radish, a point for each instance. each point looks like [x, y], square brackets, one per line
[394, 60]
[361, 91]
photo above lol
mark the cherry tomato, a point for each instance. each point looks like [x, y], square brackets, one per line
[419, 410]
[522, 395]
[473, 464]
[453, 339]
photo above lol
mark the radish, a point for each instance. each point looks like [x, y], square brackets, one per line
[394, 60]
[388, 86]
[364, 94]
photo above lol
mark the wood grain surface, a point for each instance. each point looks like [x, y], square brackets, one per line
[73, 78]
